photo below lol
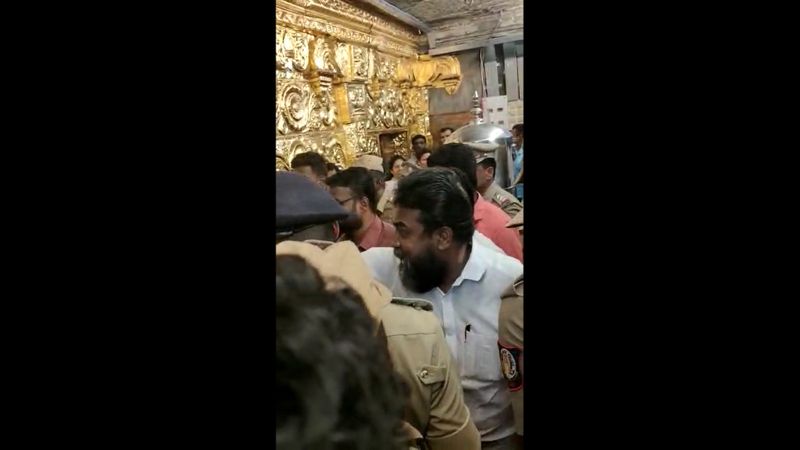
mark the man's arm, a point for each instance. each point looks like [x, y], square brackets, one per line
[450, 426]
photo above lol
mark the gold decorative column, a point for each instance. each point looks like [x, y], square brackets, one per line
[350, 82]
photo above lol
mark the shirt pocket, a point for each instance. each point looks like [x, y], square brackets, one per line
[479, 360]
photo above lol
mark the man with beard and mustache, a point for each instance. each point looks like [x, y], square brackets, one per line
[438, 258]
[354, 189]
[307, 213]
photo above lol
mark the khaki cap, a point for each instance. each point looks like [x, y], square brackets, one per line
[370, 162]
[516, 221]
[480, 150]
[342, 260]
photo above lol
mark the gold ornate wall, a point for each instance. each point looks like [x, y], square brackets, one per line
[348, 79]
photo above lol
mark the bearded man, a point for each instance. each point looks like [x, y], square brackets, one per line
[439, 259]
[354, 189]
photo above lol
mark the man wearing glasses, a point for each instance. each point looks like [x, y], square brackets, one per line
[354, 189]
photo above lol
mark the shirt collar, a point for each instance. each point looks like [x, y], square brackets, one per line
[475, 266]
[373, 234]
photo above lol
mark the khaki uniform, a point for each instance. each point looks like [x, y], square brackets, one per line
[510, 338]
[503, 199]
[389, 212]
[416, 345]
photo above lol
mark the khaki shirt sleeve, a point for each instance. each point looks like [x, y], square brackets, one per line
[510, 345]
[388, 213]
[421, 357]
[512, 208]
[450, 425]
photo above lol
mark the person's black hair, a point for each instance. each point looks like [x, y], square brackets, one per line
[360, 181]
[419, 153]
[442, 199]
[331, 166]
[378, 178]
[314, 160]
[457, 156]
[335, 387]
[391, 164]
[518, 128]
[472, 192]
[446, 128]
[489, 162]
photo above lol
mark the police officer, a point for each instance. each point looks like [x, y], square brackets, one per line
[491, 192]
[510, 339]
[413, 334]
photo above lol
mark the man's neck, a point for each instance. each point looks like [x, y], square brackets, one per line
[454, 270]
[482, 190]
[365, 224]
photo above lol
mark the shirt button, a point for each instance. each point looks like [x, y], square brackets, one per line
[424, 374]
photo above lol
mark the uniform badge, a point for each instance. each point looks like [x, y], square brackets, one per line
[510, 361]
[501, 200]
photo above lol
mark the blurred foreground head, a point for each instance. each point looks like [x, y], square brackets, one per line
[304, 210]
[312, 165]
[335, 387]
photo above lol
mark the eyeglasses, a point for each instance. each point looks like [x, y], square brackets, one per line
[342, 202]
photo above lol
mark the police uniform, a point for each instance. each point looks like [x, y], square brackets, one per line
[416, 345]
[300, 203]
[494, 194]
[389, 211]
[516, 221]
[415, 342]
[503, 199]
[510, 337]
[509, 344]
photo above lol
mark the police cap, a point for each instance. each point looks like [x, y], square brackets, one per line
[299, 202]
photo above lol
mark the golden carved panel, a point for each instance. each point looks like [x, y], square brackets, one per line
[347, 80]
[299, 108]
[360, 62]
[329, 146]
[360, 141]
[441, 72]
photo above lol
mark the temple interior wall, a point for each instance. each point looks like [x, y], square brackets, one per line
[351, 82]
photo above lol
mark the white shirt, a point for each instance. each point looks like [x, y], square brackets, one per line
[480, 238]
[474, 300]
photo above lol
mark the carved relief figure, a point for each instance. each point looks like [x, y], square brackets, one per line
[293, 103]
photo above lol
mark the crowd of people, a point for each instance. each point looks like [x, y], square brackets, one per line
[399, 305]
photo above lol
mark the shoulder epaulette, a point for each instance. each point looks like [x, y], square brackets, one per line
[500, 199]
[518, 286]
[414, 303]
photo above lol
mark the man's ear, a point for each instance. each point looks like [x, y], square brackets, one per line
[363, 203]
[443, 238]
[490, 171]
